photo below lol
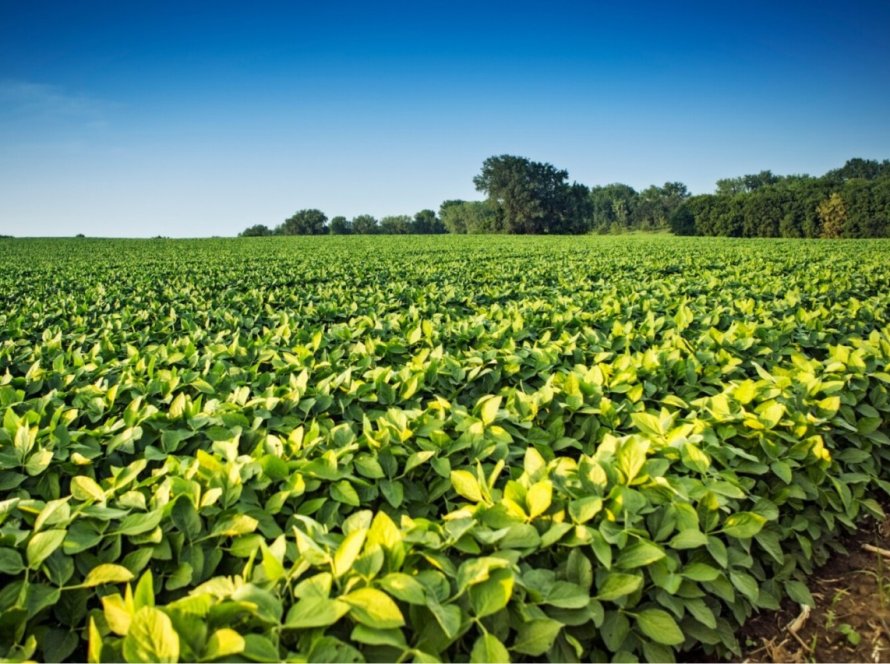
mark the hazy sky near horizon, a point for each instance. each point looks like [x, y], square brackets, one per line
[195, 119]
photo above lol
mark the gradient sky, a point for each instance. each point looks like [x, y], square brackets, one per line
[195, 119]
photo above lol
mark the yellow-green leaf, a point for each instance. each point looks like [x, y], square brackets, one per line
[224, 642]
[466, 485]
[86, 488]
[373, 608]
[151, 637]
[107, 573]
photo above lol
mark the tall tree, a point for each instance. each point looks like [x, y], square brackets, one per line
[426, 223]
[257, 230]
[364, 224]
[340, 226]
[471, 217]
[857, 168]
[396, 224]
[530, 196]
[305, 222]
[611, 207]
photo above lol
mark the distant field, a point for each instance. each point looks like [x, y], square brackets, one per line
[422, 448]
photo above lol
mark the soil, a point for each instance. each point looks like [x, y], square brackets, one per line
[851, 619]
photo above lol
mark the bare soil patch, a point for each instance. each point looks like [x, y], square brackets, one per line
[851, 619]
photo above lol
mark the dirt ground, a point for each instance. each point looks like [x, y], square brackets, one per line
[851, 620]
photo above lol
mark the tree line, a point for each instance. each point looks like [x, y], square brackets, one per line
[528, 197]
[315, 222]
[851, 201]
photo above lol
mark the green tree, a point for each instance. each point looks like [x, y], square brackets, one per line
[426, 223]
[530, 196]
[396, 224]
[471, 217]
[745, 183]
[257, 230]
[682, 221]
[364, 224]
[833, 214]
[340, 226]
[452, 217]
[305, 222]
[856, 168]
[611, 207]
[654, 206]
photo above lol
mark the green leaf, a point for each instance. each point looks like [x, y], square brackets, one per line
[448, 616]
[584, 509]
[417, 459]
[315, 612]
[466, 485]
[639, 554]
[743, 524]
[536, 636]
[745, 584]
[617, 584]
[185, 517]
[405, 588]
[614, 630]
[180, 577]
[489, 649]
[42, 545]
[782, 470]
[373, 608]
[260, 649]
[579, 569]
[107, 573]
[566, 595]
[394, 492]
[771, 543]
[151, 637]
[492, 595]
[799, 593]
[136, 524]
[659, 626]
[10, 561]
[344, 492]
[378, 637]
[690, 538]
[700, 572]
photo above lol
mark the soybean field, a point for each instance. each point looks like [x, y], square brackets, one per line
[455, 448]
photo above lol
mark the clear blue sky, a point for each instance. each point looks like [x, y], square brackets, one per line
[192, 119]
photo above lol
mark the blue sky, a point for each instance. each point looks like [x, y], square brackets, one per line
[195, 119]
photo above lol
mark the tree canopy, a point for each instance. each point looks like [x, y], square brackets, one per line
[532, 197]
[305, 222]
[851, 201]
